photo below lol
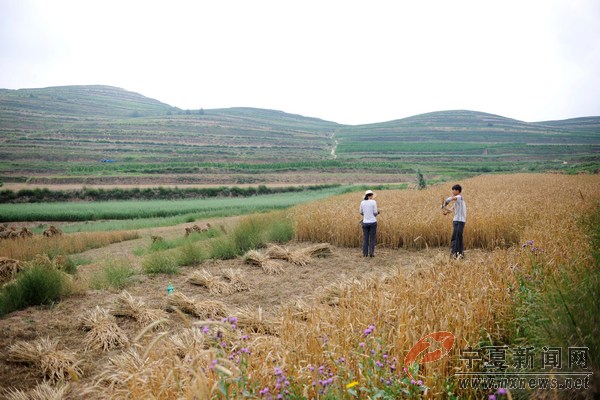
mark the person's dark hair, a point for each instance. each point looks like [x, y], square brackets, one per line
[457, 187]
[368, 195]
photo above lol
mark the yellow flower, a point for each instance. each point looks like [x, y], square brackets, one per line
[351, 384]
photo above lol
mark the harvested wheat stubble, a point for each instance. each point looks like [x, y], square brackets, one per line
[253, 320]
[235, 277]
[54, 365]
[130, 307]
[214, 284]
[103, 331]
[201, 309]
[254, 257]
[43, 391]
[9, 269]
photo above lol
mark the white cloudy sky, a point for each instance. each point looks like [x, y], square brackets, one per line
[342, 60]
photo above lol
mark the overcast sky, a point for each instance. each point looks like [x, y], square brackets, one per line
[346, 61]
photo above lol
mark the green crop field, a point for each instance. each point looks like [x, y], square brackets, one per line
[156, 209]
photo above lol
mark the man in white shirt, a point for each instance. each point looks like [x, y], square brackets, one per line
[458, 222]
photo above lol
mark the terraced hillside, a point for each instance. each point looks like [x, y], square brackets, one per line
[106, 135]
[481, 142]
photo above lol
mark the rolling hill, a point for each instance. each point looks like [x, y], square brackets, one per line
[62, 134]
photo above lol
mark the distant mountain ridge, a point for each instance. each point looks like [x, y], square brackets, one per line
[102, 100]
[92, 100]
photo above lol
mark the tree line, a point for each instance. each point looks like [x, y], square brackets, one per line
[158, 193]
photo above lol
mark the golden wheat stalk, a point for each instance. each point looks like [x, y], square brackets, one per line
[299, 257]
[299, 310]
[235, 277]
[43, 391]
[278, 252]
[130, 307]
[187, 341]
[54, 365]
[272, 267]
[261, 260]
[214, 284]
[256, 258]
[202, 309]
[254, 320]
[9, 269]
[319, 250]
[103, 331]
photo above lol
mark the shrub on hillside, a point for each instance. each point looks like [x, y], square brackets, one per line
[159, 263]
[37, 285]
[116, 275]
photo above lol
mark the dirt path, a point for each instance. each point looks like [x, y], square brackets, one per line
[62, 321]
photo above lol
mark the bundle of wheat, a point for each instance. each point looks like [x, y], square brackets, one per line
[214, 283]
[52, 231]
[254, 257]
[278, 252]
[235, 277]
[319, 250]
[188, 341]
[196, 228]
[298, 257]
[211, 308]
[103, 331]
[272, 267]
[41, 260]
[25, 233]
[261, 260]
[9, 269]
[201, 309]
[54, 365]
[58, 262]
[128, 306]
[43, 391]
[253, 320]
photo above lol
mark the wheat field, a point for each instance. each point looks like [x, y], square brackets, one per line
[356, 334]
[501, 210]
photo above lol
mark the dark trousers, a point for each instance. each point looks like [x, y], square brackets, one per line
[456, 243]
[369, 232]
